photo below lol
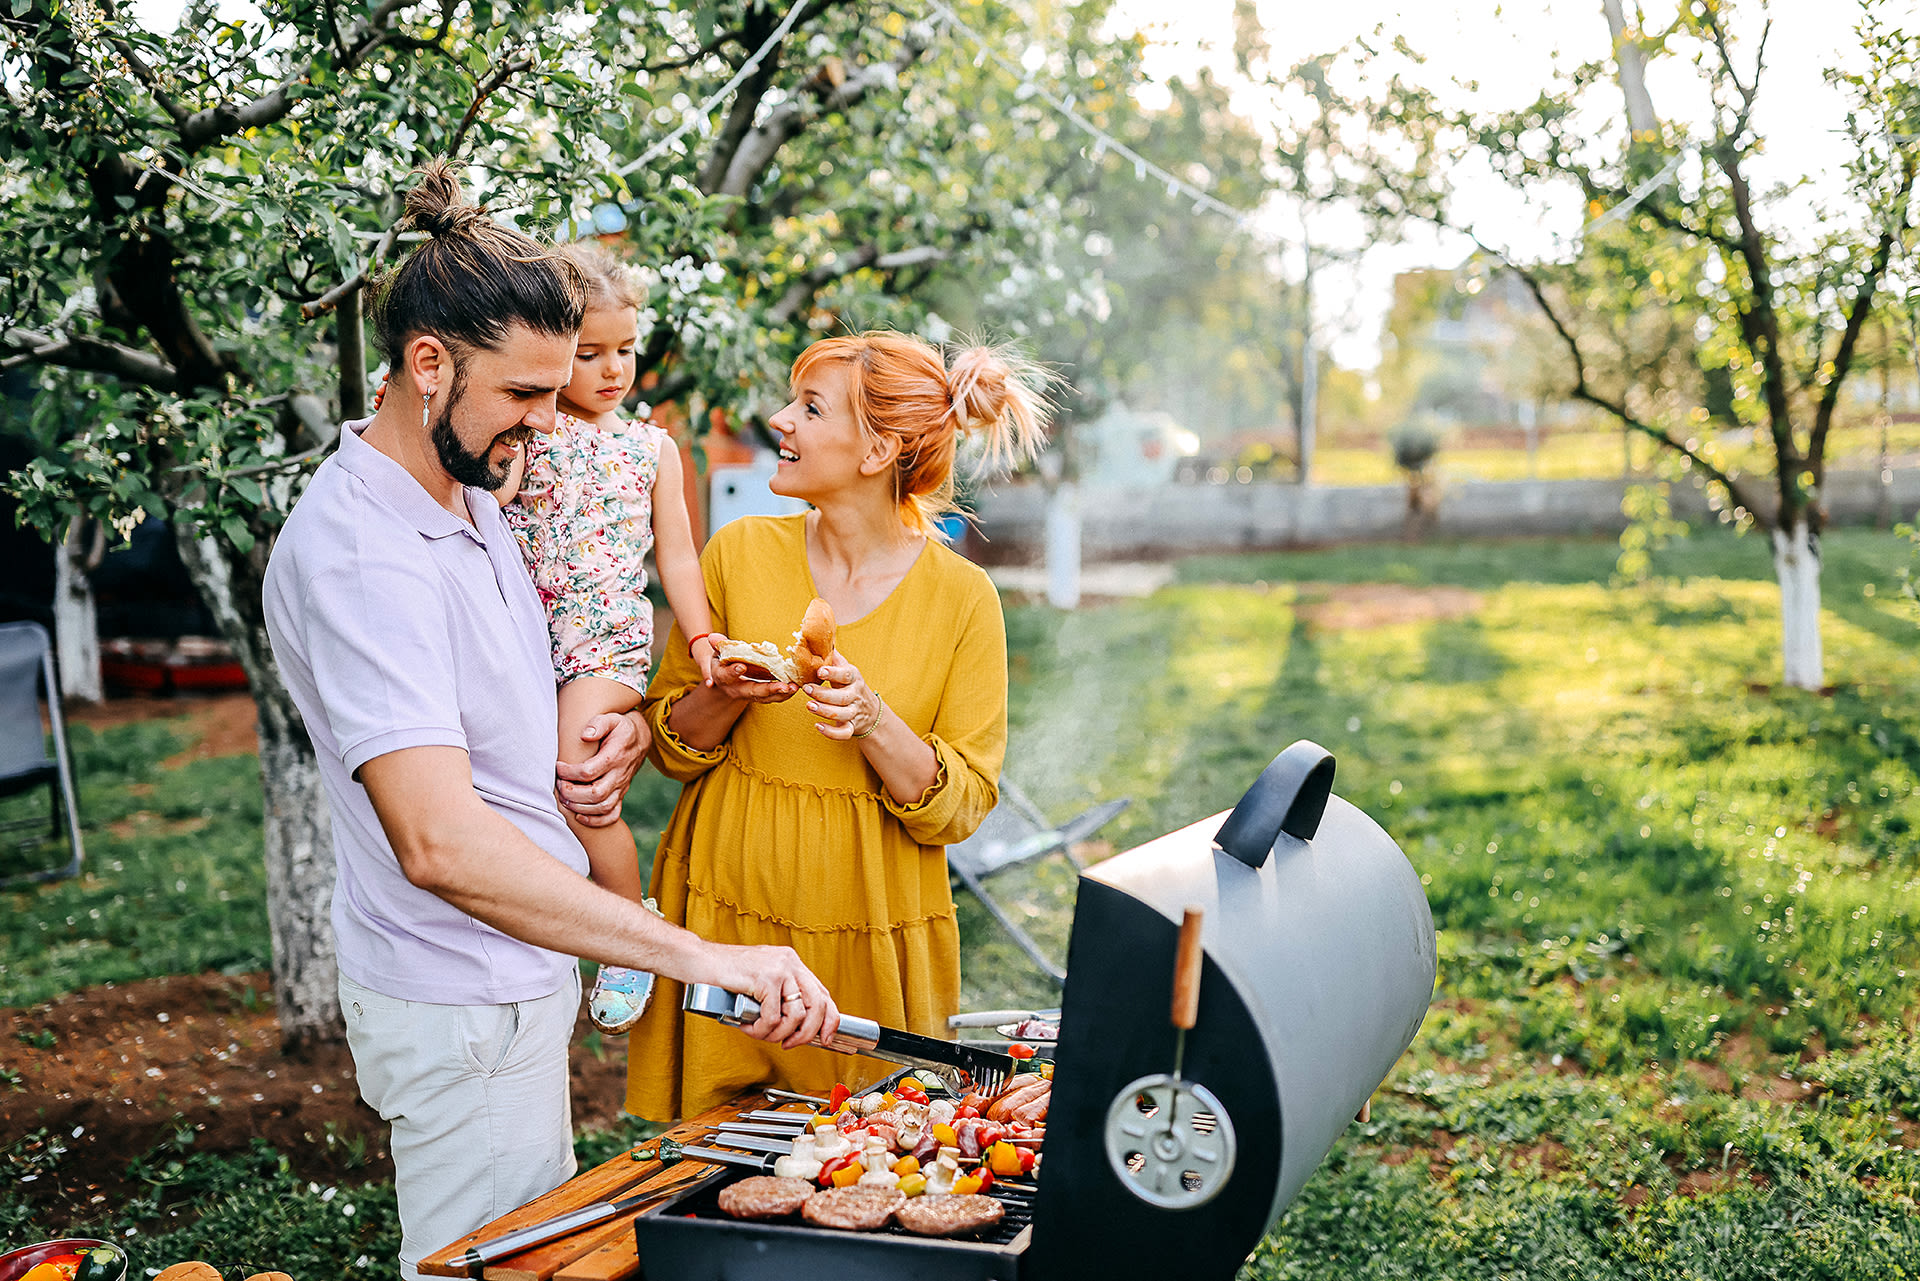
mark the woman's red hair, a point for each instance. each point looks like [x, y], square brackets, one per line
[903, 387]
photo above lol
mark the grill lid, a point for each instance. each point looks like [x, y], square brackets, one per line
[1317, 965]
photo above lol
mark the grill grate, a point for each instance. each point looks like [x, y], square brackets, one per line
[704, 1203]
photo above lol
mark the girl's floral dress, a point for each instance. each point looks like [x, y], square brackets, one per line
[584, 519]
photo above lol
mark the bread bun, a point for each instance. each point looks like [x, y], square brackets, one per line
[800, 662]
[813, 644]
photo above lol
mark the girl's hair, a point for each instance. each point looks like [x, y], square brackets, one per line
[472, 279]
[609, 282]
[901, 386]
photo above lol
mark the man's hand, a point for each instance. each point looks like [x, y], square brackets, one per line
[594, 789]
[795, 1007]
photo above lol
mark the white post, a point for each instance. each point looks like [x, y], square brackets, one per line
[1796, 563]
[76, 628]
[1063, 546]
[1309, 369]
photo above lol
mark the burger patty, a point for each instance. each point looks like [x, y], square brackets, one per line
[949, 1216]
[855, 1208]
[764, 1197]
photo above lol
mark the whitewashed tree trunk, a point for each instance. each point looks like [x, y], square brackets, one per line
[1063, 546]
[1796, 563]
[76, 624]
[298, 826]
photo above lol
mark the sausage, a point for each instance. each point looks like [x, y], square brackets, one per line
[1034, 1108]
[1012, 1098]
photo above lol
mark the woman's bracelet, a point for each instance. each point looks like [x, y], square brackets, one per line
[696, 640]
[876, 722]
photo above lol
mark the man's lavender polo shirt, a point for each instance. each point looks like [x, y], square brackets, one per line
[396, 624]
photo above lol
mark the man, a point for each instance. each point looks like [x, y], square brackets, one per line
[415, 646]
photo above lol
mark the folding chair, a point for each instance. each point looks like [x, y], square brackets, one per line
[26, 667]
[1016, 833]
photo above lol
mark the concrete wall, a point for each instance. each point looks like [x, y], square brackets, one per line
[1131, 524]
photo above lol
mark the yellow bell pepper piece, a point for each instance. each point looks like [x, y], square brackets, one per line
[913, 1184]
[906, 1165]
[848, 1175]
[1004, 1160]
[965, 1185]
[945, 1135]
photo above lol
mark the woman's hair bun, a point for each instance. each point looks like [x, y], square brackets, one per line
[977, 385]
[997, 393]
[434, 205]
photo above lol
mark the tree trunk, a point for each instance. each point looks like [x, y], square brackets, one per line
[76, 626]
[298, 826]
[1063, 546]
[1796, 563]
[1633, 71]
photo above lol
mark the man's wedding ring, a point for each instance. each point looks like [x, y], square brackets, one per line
[795, 997]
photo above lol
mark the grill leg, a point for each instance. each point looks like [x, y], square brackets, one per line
[1020, 936]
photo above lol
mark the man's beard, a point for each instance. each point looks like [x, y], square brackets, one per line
[468, 468]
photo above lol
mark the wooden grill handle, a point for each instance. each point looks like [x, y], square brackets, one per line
[1186, 972]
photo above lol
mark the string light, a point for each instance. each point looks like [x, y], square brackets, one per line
[699, 114]
[1103, 141]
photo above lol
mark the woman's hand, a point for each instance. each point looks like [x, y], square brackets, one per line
[732, 680]
[848, 706]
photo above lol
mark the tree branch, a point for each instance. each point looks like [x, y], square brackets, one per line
[482, 90]
[803, 290]
[211, 124]
[1583, 390]
[746, 102]
[353, 284]
[78, 351]
[1856, 321]
[824, 93]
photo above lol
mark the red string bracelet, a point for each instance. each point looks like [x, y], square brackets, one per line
[696, 640]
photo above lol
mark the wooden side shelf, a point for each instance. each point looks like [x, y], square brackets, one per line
[605, 1252]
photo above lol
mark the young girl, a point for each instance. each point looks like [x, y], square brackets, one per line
[586, 502]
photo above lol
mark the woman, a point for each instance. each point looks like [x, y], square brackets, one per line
[821, 821]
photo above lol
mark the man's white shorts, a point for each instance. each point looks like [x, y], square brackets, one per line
[477, 1096]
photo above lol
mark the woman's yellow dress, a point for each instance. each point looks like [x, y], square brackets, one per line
[785, 836]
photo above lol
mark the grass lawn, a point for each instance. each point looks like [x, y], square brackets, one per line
[1678, 908]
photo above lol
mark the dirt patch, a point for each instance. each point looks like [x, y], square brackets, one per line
[217, 724]
[1355, 606]
[111, 1071]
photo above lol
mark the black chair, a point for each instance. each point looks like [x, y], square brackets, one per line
[26, 667]
[1016, 833]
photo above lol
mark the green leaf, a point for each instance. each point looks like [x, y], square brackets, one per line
[247, 489]
[238, 534]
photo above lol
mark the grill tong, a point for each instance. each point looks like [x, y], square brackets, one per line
[962, 1067]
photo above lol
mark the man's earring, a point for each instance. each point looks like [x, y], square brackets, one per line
[426, 402]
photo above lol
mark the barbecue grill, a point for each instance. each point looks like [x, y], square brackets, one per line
[1184, 1119]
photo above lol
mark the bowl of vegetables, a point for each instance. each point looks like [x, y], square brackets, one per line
[68, 1259]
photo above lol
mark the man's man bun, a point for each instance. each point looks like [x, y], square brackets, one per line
[434, 205]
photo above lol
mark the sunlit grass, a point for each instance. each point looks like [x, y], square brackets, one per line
[1664, 886]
